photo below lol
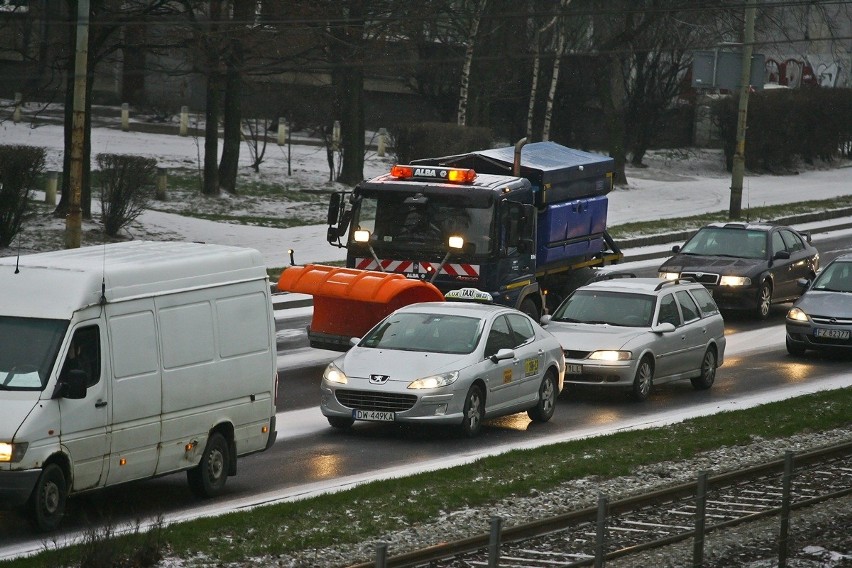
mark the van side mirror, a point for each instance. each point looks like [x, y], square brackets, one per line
[72, 385]
[334, 208]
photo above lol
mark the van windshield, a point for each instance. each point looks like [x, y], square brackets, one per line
[28, 348]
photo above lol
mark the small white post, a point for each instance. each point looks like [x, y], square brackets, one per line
[282, 131]
[383, 141]
[184, 120]
[16, 114]
[125, 117]
[50, 191]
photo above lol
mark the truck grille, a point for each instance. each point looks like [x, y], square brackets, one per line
[380, 401]
[701, 277]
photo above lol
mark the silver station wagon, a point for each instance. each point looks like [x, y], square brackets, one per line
[633, 333]
[454, 363]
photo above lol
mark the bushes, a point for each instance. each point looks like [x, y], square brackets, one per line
[434, 139]
[786, 125]
[126, 185]
[19, 168]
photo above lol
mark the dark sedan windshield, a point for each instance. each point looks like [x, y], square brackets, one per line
[28, 348]
[435, 333]
[719, 241]
[613, 308]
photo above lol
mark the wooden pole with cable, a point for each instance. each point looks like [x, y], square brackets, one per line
[74, 218]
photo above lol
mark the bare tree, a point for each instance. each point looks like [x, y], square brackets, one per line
[468, 60]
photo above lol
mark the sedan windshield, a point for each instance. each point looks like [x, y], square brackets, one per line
[28, 348]
[601, 307]
[435, 333]
[837, 277]
[719, 241]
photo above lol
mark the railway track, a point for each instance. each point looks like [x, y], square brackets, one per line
[618, 528]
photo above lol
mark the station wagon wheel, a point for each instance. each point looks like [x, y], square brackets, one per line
[643, 380]
[207, 479]
[474, 412]
[764, 300]
[47, 502]
[708, 370]
[341, 422]
[546, 405]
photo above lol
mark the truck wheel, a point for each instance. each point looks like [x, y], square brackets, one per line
[529, 307]
[546, 405]
[207, 479]
[47, 503]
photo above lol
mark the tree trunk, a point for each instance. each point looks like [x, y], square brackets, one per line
[210, 185]
[613, 109]
[232, 132]
[554, 77]
[533, 87]
[352, 126]
[468, 60]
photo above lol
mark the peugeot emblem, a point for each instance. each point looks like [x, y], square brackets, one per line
[379, 379]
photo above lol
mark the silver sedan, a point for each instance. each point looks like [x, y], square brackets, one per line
[454, 363]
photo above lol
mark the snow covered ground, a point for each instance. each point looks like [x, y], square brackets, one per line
[675, 184]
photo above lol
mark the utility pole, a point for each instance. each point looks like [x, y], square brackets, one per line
[739, 155]
[74, 219]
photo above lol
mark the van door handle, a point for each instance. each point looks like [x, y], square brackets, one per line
[100, 404]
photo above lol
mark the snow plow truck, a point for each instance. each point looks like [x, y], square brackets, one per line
[523, 223]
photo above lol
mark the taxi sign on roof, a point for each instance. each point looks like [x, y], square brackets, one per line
[468, 295]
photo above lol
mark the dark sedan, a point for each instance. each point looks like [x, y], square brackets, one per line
[747, 266]
[822, 318]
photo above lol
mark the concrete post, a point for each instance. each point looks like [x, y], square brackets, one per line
[282, 131]
[184, 120]
[16, 114]
[162, 178]
[125, 117]
[50, 190]
[383, 142]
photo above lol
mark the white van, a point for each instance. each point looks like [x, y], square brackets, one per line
[128, 361]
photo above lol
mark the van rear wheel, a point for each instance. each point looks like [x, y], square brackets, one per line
[47, 503]
[207, 479]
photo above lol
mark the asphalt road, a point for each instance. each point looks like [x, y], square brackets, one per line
[312, 457]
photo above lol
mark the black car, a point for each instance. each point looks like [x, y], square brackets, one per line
[822, 318]
[747, 266]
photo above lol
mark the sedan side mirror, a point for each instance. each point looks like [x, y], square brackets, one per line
[503, 354]
[782, 255]
[664, 327]
[545, 319]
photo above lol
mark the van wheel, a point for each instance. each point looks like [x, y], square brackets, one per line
[207, 479]
[47, 503]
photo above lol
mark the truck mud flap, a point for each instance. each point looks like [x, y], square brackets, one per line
[348, 302]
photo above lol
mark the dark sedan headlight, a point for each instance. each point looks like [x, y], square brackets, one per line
[734, 281]
[796, 314]
[664, 275]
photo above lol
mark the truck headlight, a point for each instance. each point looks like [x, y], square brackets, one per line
[734, 281]
[611, 355]
[333, 374]
[668, 275]
[797, 314]
[435, 381]
[12, 453]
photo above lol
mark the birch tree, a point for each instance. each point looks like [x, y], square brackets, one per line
[468, 60]
[562, 40]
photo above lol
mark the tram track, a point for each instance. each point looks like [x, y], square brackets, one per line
[618, 528]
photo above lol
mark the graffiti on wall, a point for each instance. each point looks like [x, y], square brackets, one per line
[796, 73]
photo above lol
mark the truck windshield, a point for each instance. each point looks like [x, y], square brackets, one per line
[395, 224]
[28, 348]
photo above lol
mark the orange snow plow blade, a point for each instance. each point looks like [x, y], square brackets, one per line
[348, 302]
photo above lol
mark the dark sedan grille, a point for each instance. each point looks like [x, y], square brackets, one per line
[701, 277]
[575, 354]
[380, 401]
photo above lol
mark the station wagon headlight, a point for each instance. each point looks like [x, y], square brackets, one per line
[333, 374]
[734, 281]
[668, 275]
[611, 355]
[13, 453]
[797, 314]
[435, 381]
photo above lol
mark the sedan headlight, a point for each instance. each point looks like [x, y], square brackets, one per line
[13, 453]
[611, 355]
[333, 374]
[797, 314]
[669, 275]
[435, 381]
[734, 281]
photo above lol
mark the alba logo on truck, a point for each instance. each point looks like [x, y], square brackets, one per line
[429, 172]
